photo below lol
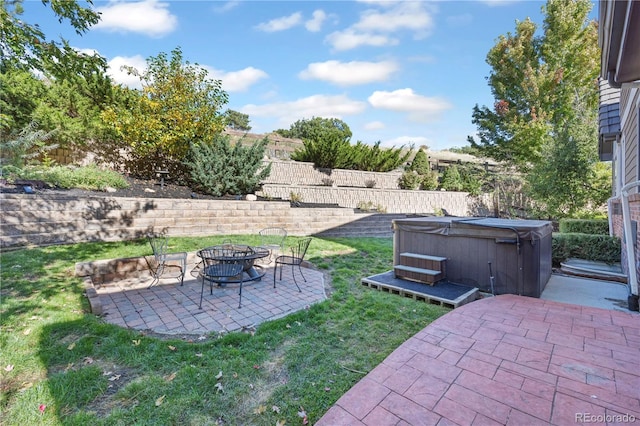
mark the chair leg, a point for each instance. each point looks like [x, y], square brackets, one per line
[275, 269]
[300, 269]
[293, 272]
[202, 292]
[240, 302]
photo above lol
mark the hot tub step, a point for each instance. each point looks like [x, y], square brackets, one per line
[424, 275]
[425, 261]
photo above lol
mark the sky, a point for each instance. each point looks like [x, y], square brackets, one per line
[398, 72]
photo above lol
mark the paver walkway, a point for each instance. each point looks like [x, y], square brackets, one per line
[508, 360]
[173, 309]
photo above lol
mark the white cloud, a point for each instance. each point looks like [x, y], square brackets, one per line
[120, 76]
[281, 24]
[410, 15]
[149, 17]
[349, 73]
[227, 6]
[287, 113]
[420, 108]
[315, 24]
[374, 125]
[350, 39]
[416, 141]
[376, 26]
[237, 81]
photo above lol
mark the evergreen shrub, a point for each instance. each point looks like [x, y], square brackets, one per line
[585, 226]
[600, 248]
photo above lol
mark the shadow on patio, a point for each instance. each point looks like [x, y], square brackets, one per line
[169, 308]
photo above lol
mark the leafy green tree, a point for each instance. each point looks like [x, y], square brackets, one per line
[326, 142]
[534, 80]
[25, 46]
[178, 105]
[237, 120]
[420, 163]
[570, 178]
[218, 168]
[373, 158]
[20, 94]
[451, 179]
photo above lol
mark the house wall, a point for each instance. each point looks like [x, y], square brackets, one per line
[630, 122]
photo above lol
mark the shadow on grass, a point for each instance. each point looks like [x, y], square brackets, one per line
[298, 365]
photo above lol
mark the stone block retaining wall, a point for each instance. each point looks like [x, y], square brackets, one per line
[300, 173]
[51, 219]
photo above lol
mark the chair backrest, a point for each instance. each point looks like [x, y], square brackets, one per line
[299, 250]
[272, 236]
[159, 246]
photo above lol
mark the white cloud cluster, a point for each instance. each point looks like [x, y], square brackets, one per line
[349, 73]
[377, 26]
[149, 17]
[420, 108]
[281, 24]
[121, 76]
[237, 81]
[315, 24]
[287, 22]
[336, 106]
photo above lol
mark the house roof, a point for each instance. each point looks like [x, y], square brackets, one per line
[619, 38]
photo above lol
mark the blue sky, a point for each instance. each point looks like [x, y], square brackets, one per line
[398, 72]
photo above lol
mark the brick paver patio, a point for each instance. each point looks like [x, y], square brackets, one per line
[508, 360]
[173, 309]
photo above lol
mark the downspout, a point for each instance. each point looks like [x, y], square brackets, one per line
[629, 237]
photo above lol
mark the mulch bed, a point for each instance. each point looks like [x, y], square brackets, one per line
[138, 188]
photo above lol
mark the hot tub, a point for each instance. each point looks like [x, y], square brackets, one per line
[519, 250]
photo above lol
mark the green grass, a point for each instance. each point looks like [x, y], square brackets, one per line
[85, 371]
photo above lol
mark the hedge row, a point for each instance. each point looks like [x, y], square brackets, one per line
[585, 226]
[602, 248]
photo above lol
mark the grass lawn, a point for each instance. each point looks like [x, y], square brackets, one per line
[60, 364]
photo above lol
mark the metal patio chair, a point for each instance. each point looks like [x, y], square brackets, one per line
[272, 239]
[298, 251]
[220, 265]
[165, 260]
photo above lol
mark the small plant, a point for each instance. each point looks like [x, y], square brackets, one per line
[295, 199]
[370, 183]
[409, 180]
[327, 182]
[368, 206]
[27, 146]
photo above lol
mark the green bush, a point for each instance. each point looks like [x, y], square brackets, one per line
[592, 226]
[429, 181]
[601, 248]
[217, 168]
[409, 180]
[66, 177]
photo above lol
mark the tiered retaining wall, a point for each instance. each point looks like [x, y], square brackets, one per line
[50, 219]
[389, 200]
[300, 173]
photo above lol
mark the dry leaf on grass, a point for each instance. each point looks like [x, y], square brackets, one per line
[260, 409]
[160, 400]
[170, 377]
[219, 375]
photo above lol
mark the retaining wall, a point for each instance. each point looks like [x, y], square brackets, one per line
[51, 219]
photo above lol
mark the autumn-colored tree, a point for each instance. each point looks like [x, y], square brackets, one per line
[178, 105]
[534, 81]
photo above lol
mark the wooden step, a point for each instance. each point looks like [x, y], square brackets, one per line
[423, 275]
[423, 256]
[425, 261]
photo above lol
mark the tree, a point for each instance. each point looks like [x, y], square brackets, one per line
[372, 158]
[570, 178]
[326, 142]
[217, 168]
[178, 105]
[534, 80]
[25, 46]
[237, 120]
[451, 179]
